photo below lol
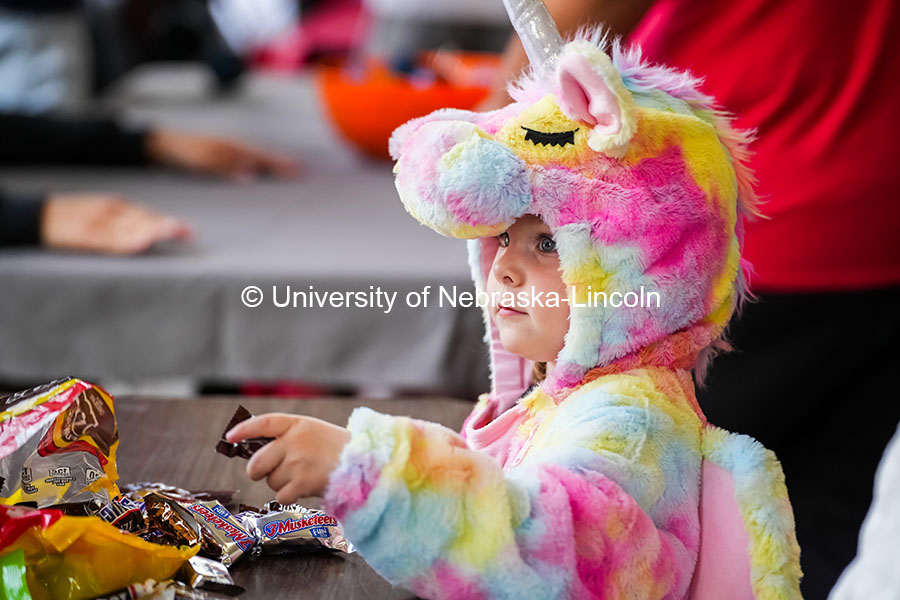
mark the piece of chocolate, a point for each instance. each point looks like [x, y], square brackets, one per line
[246, 448]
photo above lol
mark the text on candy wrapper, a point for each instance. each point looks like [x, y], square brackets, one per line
[277, 528]
[241, 538]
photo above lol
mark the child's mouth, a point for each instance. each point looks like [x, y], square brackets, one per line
[509, 311]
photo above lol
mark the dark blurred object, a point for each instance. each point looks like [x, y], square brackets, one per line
[42, 140]
[127, 33]
[40, 5]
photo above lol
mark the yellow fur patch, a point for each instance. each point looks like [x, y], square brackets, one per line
[545, 116]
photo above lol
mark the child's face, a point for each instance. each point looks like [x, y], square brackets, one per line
[527, 262]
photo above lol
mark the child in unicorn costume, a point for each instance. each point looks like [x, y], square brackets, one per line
[605, 480]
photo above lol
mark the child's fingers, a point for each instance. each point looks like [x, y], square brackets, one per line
[280, 477]
[268, 425]
[290, 493]
[265, 460]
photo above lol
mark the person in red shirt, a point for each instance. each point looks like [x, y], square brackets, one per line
[811, 376]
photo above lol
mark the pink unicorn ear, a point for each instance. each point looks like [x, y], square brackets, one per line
[591, 91]
[586, 96]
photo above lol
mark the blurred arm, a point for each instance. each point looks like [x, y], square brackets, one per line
[28, 139]
[20, 220]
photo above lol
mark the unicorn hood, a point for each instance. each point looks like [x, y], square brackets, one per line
[639, 178]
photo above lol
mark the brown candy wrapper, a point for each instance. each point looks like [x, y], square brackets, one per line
[294, 528]
[220, 535]
[246, 448]
[169, 523]
[58, 445]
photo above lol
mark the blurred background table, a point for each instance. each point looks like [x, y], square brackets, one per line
[172, 441]
[175, 314]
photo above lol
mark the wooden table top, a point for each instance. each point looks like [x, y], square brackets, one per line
[172, 441]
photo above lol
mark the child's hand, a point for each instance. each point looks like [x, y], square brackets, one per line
[300, 459]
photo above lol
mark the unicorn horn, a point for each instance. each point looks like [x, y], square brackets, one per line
[538, 33]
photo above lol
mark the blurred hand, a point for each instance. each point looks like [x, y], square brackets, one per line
[498, 98]
[218, 156]
[105, 223]
[299, 461]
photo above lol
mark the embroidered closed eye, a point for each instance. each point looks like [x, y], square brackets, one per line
[559, 138]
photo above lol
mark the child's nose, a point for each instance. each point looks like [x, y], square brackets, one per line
[506, 269]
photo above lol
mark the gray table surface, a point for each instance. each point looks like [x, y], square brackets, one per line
[177, 312]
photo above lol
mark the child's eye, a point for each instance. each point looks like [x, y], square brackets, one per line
[547, 244]
[504, 239]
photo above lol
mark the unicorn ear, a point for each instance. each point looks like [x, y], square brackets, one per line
[591, 91]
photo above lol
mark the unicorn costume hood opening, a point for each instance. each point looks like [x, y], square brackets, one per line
[640, 179]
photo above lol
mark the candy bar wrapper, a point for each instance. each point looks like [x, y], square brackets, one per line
[227, 531]
[121, 511]
[137, 491]
[148, 590]
[124, 513]
[168, 522]
[285, 528]
[210, 575]
[246, 448]
[173, 523]
[162, 590]
[223, 536]
[58, 445]
[183, 591]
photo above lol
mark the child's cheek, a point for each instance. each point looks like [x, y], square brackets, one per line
[554, 326]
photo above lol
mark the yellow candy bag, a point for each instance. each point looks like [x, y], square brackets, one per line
[76, 558]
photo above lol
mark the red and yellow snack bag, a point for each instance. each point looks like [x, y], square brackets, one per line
[75, 558]
[58, 444]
